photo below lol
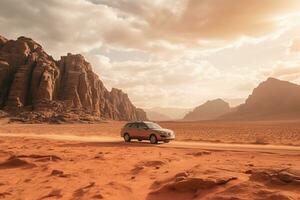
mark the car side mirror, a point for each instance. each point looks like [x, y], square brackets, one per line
[146, 128]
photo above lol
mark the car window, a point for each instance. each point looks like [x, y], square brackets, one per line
[134, 125]
[152, 125]
[142, 125]
[128, 125]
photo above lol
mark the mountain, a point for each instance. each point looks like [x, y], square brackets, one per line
[155, 116]
[209, 110]
[166, 113]
[272, 99]
[35, 87]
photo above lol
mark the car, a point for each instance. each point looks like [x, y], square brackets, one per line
[146, 130]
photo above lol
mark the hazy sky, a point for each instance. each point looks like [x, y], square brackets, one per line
[168, 52]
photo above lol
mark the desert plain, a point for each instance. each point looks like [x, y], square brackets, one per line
[217, 160]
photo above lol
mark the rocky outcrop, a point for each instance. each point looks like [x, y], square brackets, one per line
[32, 81]
[272, 99]
[208, 111]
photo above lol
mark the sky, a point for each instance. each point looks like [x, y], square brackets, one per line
[168, 53]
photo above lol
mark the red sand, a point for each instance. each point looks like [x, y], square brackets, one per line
[50, 169]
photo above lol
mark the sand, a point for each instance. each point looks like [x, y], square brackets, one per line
[245, 132]
[58, 168]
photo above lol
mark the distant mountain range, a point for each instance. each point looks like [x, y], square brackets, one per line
[36, 88]
[272, 99]
[209, 110]
[166, 113]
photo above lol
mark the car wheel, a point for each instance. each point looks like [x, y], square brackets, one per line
[127, 137]
[166, 141]
[153, 139]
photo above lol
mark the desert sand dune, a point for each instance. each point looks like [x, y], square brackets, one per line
[91, 161]
[15, 162]
[61, 169]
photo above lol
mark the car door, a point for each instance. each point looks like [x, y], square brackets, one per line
[133, 130]
[143, 131]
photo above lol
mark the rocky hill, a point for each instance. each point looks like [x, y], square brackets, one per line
[209, 110]
[36, 88]
[272, 99]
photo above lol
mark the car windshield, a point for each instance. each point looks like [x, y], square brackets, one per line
[153, 125]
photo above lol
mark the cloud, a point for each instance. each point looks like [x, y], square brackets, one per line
[176, 82]
[295, 46]
[287, 70]
[153, 83]
[151, 25]
[194, 22]
[164, 52]
[64, 26]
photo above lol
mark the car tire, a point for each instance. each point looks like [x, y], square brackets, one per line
[127, 137]
[166, 141]
[153, 139]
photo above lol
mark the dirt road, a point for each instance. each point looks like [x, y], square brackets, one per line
[174, 144]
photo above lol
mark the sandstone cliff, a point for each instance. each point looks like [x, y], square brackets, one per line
[208, 111]
[35, 87]
[272, 99]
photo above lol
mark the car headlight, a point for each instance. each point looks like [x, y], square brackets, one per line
[166, 134]
[163, 133]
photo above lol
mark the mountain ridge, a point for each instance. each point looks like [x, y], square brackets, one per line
[271, 99]
[35, 87]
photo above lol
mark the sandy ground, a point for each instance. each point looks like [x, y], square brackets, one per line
[256, 132]
[261, 132]
[51, 169]
[91, 162]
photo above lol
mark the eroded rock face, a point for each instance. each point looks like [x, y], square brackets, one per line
[76, 83]
[121, 103]
[31, 80]
[3, 40]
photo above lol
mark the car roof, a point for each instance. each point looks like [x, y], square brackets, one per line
[139, 122]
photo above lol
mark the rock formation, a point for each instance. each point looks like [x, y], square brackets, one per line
[209, 110]
[272, 99]
[33, 84]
